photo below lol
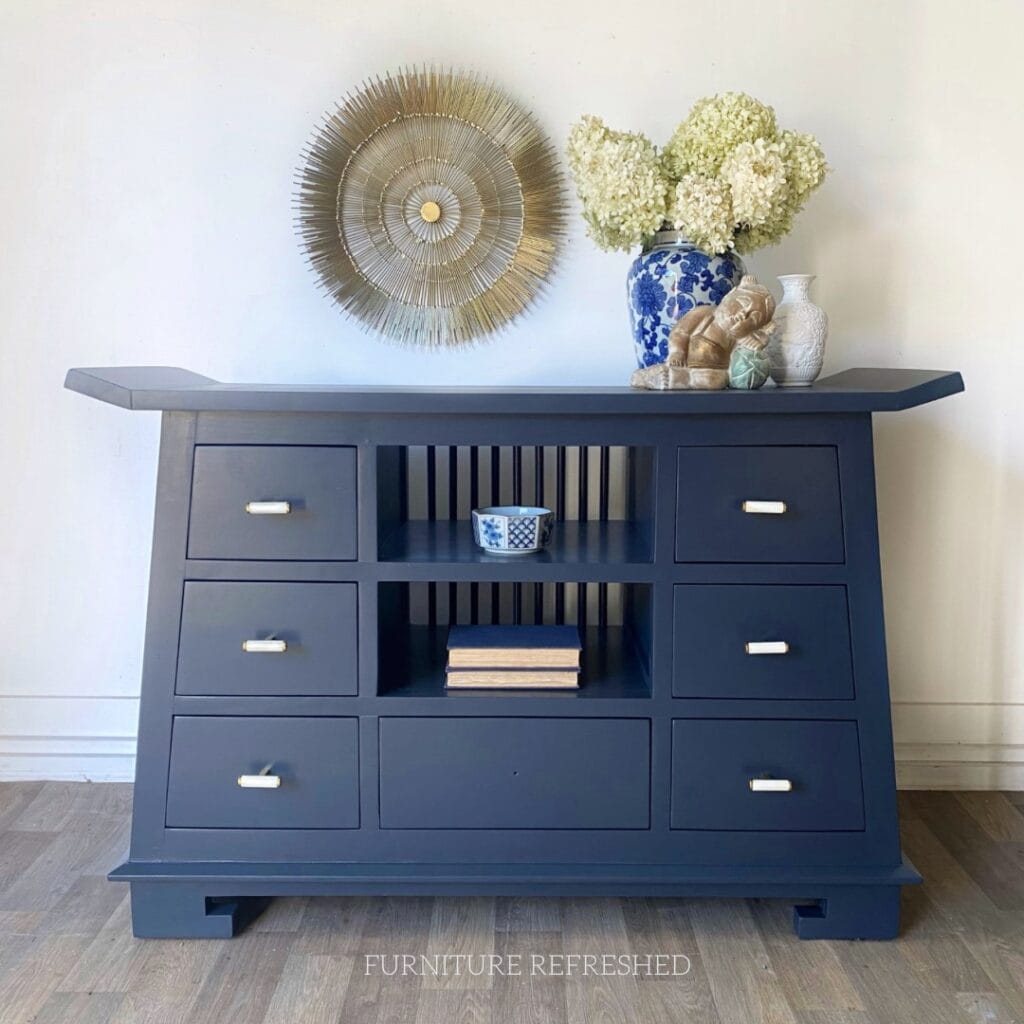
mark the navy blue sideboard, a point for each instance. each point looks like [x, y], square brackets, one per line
[719, 552]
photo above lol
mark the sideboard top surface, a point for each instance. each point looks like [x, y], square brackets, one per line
[172, 388]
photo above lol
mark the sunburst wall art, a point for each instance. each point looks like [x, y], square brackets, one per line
[431, 207]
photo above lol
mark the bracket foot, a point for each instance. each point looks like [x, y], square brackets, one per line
[851, 912]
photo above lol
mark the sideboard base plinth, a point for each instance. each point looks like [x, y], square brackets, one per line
[219, 900]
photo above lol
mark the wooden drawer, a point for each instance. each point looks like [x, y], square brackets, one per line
[314, 622]
[318, 485]
[316, 759]
[714, 482]
[527, 773]
[715, 624]
[714, 761]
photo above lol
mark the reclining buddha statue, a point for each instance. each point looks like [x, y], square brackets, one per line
[702, 340]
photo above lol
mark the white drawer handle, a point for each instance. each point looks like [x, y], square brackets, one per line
[264, 646]
[264, 780]
[771, 785]
[765, 508]
[268, 508]
[766, 647]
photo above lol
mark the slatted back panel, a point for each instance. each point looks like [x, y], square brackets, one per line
[578, 483]
[580, 603]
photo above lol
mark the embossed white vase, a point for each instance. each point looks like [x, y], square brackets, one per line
[797, 348]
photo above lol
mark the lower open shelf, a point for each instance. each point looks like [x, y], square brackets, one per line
[412, 664]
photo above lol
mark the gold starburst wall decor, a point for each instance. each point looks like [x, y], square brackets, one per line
[430, 206]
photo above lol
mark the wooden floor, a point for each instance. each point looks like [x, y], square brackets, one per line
[66, 952]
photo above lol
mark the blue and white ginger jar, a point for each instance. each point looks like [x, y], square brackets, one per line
[668, 279]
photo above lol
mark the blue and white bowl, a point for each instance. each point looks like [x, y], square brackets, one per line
[512, 529]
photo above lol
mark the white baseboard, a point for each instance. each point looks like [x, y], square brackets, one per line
[959, 775]
[76, 768]
[959, 746]
[67, 758]
[79, 739]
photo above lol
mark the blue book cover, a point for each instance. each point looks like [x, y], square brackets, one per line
[521, 637]
[513, 647]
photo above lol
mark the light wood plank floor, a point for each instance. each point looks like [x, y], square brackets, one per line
[66, 952]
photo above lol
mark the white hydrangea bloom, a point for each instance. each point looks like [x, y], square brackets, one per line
[805, 169]
[619, 181]
[728, 177]
[756, 174]
[805, 165]
[702, 210]
[715, 126]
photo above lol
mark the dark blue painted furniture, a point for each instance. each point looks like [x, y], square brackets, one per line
[732, 734]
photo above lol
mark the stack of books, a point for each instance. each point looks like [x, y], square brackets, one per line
[513, 658]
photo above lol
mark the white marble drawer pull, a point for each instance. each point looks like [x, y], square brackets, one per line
[264, 646]
[268, 508]
[764, 508]
[264, 780]
[766, 647]
[771, 785]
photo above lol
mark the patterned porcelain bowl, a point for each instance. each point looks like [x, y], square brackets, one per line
[512, 529]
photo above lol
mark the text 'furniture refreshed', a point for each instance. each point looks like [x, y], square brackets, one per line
[731, 735]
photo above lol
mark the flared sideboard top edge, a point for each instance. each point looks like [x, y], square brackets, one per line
[171, 388]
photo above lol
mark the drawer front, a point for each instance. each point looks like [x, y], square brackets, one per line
[714, 483]
[317, 485]
[316, 759]
[232, 635]
[720, 633]
[714, 761]
[528, 773]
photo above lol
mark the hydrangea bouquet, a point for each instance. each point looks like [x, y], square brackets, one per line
[729, 179]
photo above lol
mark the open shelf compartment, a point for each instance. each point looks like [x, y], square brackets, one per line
[614, 621]
[602, 497]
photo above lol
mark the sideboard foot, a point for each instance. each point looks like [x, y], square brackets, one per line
[851, 912]
[169, 910]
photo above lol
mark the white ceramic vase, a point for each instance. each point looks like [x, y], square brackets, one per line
[797, 348]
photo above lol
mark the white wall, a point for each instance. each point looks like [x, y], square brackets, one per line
[147, 159]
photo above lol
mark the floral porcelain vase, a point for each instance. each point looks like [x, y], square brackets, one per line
[797, 348]
[668, 279]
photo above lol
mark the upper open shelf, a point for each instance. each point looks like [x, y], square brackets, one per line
[602, 497]
[572, 543]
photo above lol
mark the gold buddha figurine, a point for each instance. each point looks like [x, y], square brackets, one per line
[702, 341]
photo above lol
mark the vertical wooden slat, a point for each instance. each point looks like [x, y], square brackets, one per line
[517, 499]
[603, 491]
[431, 517]
[453, 513]
[495, 500]
[560, 517]
[538, 499]
[560, 482]
[403, 474]
[453, 481]
[583, 501]
[474, 502]
[584, 483]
